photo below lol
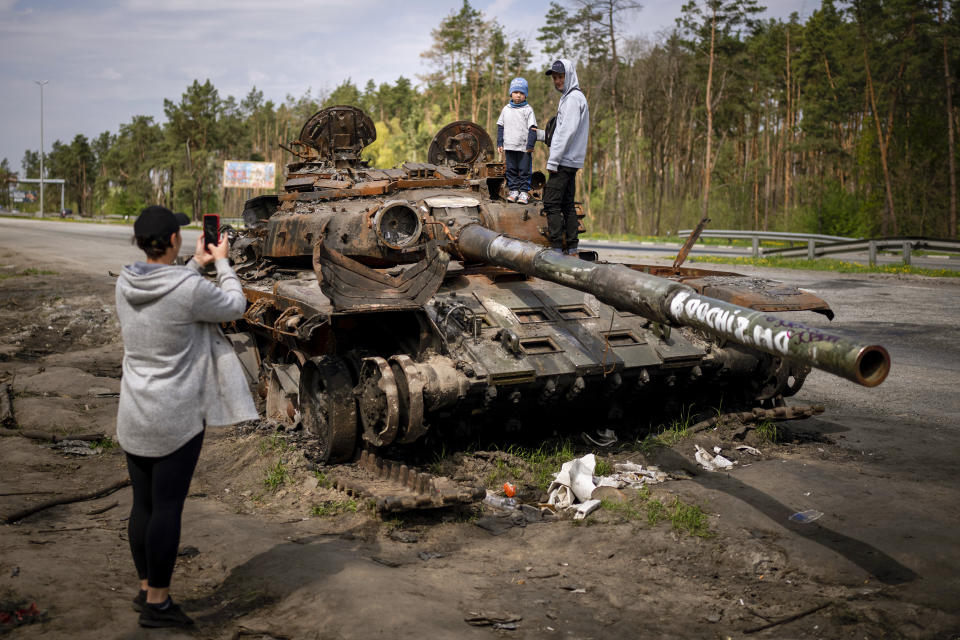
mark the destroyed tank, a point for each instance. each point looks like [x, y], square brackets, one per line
[389, 305]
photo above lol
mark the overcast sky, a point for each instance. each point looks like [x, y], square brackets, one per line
[108, 60]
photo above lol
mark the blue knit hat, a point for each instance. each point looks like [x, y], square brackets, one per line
[519, 84]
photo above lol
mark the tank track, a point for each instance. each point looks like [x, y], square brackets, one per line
[394, 486]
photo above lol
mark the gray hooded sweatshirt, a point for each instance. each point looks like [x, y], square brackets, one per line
[179, 371]
[569, 145]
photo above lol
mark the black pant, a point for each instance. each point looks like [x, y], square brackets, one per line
[159, 490]
[558, 196]
[519, 169]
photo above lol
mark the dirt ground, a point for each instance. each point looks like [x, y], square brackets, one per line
[269, 550]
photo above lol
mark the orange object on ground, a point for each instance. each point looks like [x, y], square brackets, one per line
[509, 489]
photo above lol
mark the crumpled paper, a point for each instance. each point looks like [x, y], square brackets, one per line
[573, 485]
[574, 482]
[711, 462]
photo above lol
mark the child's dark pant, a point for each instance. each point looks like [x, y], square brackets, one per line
[159, 490]
[519, 167]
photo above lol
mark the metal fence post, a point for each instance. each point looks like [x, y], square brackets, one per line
[811, 249]
[906, 253]
[756, 247]
[872, 250]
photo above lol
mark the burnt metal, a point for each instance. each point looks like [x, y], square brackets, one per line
[393, 486]
[688, 244]
[416, 302]
[461, 144]
[338, 134]
[351, 286]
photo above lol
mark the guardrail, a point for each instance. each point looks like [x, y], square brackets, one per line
[822, 245]
[758, 236]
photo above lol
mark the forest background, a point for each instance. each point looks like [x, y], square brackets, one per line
[842, 124]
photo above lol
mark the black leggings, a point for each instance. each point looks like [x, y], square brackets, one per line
[160, 488]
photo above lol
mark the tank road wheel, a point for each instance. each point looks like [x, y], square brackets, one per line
[328, 409]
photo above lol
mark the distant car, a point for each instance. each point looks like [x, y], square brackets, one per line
[66, 213]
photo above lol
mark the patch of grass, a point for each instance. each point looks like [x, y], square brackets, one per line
[274, 443]
[544, 461]
[31, 271]
[768, 431]
[276, 475]
[689, 518]
[670, 434]
[603, 468]
[436, 467]
[322, 480]
[627, 510]
[334, 507]
[106, 444]
[683, 517]
[828, 264]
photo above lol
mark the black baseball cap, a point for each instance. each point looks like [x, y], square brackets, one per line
[556, 67]
[158, 221]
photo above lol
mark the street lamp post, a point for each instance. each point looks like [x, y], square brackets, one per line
[41, 83]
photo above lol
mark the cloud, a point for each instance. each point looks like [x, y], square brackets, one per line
[110, 74]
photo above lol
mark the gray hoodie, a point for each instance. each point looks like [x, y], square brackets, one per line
[569, 145]
[179, 371]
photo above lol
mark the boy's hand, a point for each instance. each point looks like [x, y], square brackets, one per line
[530, 150]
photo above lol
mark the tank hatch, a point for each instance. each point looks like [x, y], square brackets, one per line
[338, 134]
[460, 144]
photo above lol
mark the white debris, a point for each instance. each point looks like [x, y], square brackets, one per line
[711, 463]
[585, 508]
[573, 483]
[748, 449]
[602, 438]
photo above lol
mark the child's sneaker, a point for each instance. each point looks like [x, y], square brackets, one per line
[523, 198]
[512, 196]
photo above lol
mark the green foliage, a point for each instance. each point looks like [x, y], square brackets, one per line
[276, 475]
[29, 271]
[536, 466]
[829, 264]
[334, 507]
[683, 517]
[768, 431]
[106, 444]
[322, 480]
[603, 468]
[813, 121]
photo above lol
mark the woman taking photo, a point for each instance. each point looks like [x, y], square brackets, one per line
[180, 375]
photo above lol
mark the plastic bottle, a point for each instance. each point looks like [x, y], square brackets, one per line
[500, 502]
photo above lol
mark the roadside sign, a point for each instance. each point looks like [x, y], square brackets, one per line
[249, 175]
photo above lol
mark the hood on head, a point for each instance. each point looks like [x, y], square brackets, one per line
[141, 283]
[570, 80]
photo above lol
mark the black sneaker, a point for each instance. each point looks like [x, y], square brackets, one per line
[172, 616]
[140, 601]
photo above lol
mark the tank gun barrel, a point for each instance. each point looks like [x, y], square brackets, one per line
[673, 303]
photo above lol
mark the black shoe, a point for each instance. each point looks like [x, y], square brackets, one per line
[172, 616]
[140, 601]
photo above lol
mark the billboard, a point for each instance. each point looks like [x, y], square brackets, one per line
[248, 175]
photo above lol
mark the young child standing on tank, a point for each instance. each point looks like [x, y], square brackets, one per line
[515, 141]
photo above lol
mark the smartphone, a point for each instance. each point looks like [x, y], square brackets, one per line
[211, 230]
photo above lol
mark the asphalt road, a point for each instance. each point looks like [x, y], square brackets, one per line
[79, 246]
[893, 508]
